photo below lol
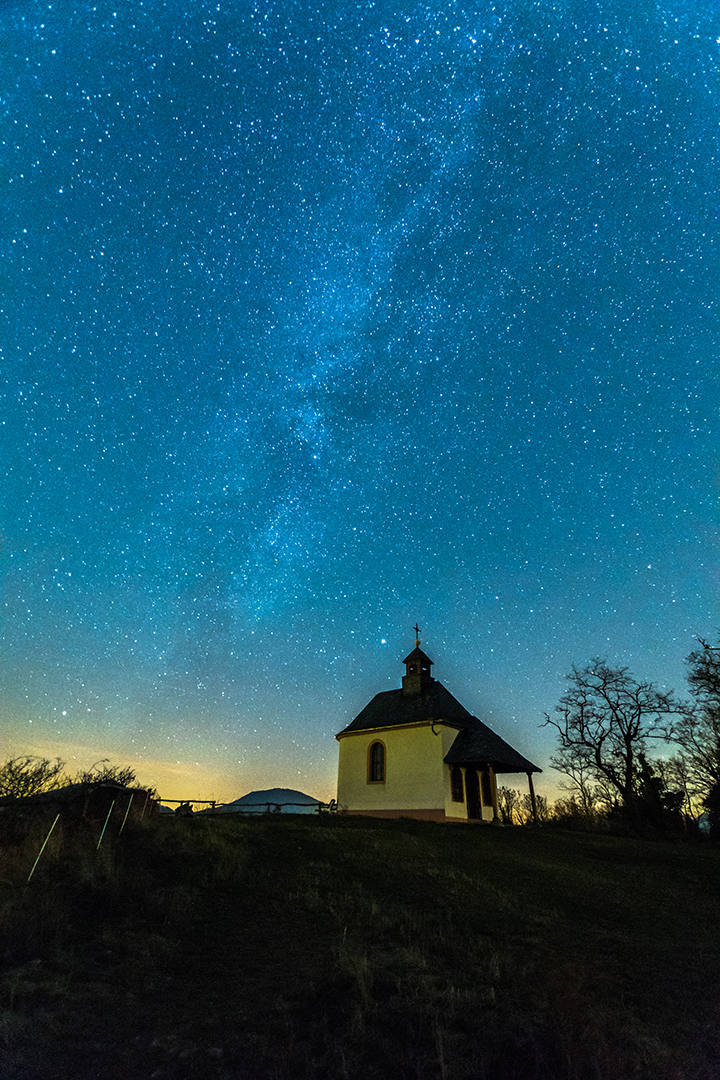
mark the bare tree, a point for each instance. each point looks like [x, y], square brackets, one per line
[509, 805]
[516, 807]
[675, 776]
[588, 794]
[541, 808]
[104, 771]
[603, 722]
[28, 775]
[571, 807]
[704, 677]
[697, 732]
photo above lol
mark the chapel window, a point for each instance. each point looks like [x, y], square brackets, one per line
[456, 785]
[376, 763]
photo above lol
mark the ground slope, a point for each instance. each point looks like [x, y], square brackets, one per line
[324, 948]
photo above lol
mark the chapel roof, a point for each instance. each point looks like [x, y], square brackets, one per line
[476, 743]
[393, 707]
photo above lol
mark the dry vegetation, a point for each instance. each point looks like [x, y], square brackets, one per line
[329, 948]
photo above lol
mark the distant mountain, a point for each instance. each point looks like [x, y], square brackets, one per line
[274, 800]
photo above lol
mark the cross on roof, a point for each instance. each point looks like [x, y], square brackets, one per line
[416, 628]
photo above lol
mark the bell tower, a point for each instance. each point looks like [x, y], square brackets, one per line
[417, 678]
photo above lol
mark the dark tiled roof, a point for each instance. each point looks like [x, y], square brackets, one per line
[394, 707]
[475, 743]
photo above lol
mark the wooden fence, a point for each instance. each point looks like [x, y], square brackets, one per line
[184, 807]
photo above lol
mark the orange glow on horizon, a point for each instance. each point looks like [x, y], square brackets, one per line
[189, 780]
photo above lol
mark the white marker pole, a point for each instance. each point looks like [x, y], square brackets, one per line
[126, 812]
[43, 847]
[105, 825]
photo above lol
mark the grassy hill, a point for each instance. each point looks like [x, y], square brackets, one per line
[350, 949]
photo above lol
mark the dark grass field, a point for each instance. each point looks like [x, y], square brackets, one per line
[348, 949]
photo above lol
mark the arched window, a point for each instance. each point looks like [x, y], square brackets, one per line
[456, 785]
[376, 763]
[486, 788]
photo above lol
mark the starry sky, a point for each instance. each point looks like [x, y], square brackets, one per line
[320, 318]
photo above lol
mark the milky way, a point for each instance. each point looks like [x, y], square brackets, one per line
[322, 318]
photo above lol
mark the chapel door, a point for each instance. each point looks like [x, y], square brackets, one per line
[472, 794]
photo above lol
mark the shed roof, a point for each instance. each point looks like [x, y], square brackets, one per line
[68, 793]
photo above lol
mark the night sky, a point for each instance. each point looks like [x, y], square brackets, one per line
[320, 318]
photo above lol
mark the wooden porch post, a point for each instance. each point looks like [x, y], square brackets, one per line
[533, 801]
[493, 788]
